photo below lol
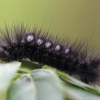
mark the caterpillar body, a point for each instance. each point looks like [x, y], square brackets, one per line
[17, 43]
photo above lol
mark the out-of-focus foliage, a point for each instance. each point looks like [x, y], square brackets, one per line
[41, 84]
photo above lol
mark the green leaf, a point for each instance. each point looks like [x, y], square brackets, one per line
[29, 66]
[48, 85]
[81, 94]
[7, 72]
[22, 89]
[75, 89]
[78, 83]
[41, 84]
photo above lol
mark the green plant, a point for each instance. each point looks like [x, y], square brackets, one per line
[27, 81]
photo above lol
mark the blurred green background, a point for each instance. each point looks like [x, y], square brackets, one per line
[70, 18]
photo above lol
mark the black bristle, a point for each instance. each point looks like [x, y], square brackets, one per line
[17, 44]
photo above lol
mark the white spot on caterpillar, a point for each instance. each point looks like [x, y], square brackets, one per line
[67, 51]
[47, 44]
[40, 41]
[29, 38]
[58, 47]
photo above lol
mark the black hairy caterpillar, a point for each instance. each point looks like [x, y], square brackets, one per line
[17, 43]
